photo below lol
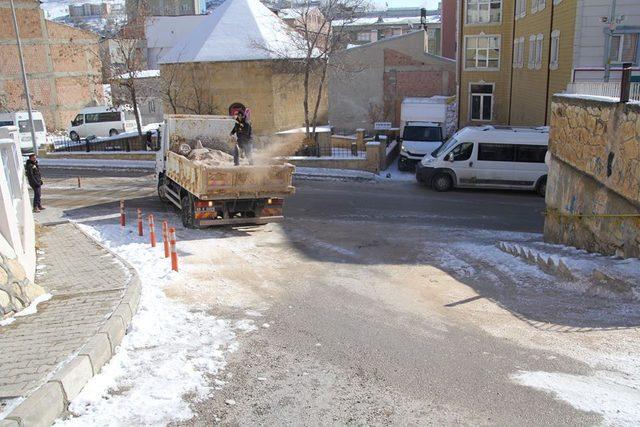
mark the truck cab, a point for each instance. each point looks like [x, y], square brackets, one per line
[418, 140]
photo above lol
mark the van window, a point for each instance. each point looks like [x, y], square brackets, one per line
[91, 118]
[462, 152]
[78, 120]
[530, 153]
[109, 117]
[24, 126]
[422, 133]
[496, 152]
[444, 147]
[5, 123]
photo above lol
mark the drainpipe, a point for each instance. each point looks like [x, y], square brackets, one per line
[607, 42]
[513, 38]
[459, 48]
[546, 98]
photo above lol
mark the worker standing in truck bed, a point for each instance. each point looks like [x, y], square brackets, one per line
[242, 130]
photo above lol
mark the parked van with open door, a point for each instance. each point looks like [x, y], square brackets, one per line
[102, 122]
[489, 157]
[20, 119]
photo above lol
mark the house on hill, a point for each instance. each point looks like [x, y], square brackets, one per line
[240, 56]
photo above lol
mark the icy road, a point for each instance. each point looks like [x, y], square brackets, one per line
[374, 303]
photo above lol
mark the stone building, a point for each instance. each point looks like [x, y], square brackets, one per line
[515, 55]
[368, 83]
[63, 65]
[240, 56]
[593, 188]
[135, 8]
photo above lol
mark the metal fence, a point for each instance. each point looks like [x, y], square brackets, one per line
[121, 143]
[610, 89]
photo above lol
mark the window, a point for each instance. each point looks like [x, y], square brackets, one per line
[108, 117]
[482, 52]
[462, 152]
[481, 102]
[364, 36]
[422, 133]
[91, 118]
[5, 123]
[518, 52]
[24, 126]
[537, 5]
[532, 52]
[624, 48]
[521, 8]
[530, 153]
[484, 11]
[78, 120]
[555, 49]
[539, 39]
[496, 152]
[152, 105]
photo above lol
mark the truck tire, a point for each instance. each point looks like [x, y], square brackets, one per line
[541, 187]
[442, 182]
[161, 190]
[186, 213]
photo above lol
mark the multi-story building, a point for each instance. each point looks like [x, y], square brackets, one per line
[515, 55]
[164, 7]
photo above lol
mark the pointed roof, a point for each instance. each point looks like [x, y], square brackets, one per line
[238, 30]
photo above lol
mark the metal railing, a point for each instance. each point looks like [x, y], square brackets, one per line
[610, 89]
[121, 143]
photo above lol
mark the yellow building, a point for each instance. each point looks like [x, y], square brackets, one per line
[515, 55]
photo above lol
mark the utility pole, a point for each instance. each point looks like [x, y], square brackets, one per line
[24, 79]
[607, 43]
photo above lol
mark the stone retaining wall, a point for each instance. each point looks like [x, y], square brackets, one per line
[16, 290]
[593, 188]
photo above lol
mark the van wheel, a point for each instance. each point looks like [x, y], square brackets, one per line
[186, 213]
[541, 188]
[74, 136]
[442, 182]
[113, 132]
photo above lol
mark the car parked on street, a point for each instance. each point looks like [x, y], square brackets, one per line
[489, 157]
[20, 119]
[101, 122]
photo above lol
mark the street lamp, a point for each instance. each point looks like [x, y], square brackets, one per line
[24, 79]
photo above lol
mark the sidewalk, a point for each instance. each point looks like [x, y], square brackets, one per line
[47, 357]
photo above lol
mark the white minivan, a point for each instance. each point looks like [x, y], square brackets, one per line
[20, 119]
[101, 122]
[489, 157]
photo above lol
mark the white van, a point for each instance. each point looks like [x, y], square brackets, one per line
[101, 121]
[489, 157]
[20, 119]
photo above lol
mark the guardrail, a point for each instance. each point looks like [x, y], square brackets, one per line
[610, 89]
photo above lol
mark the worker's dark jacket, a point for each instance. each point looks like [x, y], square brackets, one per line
[243, 132]
[33, 173]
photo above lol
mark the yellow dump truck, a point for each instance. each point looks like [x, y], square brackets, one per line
[217, 195]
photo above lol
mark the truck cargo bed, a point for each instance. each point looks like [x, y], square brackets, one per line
[229, 182]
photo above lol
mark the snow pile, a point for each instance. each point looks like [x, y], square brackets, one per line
[31, 309]
[169, 352]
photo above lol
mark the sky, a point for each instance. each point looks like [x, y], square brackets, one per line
[429, 4]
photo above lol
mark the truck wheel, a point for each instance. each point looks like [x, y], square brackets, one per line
[186, 212]
[541, 188]
[162, 194]
[442, 182]
[403, 165]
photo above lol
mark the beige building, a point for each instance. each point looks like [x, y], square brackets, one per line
[516, 54]
[215, 71]
[63, 65]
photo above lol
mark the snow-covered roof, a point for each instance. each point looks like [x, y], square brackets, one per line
[144, 74]
[393, 20]
[166, 31]
[238, 30]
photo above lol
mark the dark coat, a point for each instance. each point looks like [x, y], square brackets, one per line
[242, 130]
[33, 173]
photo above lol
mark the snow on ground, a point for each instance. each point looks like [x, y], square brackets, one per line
[31, 309]
[170, 351]
[392, 173]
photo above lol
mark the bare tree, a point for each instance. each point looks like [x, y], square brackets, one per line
[319, 32]
[127, 61]
[183, 91]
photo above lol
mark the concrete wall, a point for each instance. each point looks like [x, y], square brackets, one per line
[273, 95]
[366, 82]
[593, 188]
[63, 65]
[17, 232]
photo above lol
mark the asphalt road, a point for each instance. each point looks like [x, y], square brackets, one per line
[366, 311]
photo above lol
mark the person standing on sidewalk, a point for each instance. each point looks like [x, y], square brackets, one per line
[35, 181]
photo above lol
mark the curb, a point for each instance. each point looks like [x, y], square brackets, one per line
[46, 403]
